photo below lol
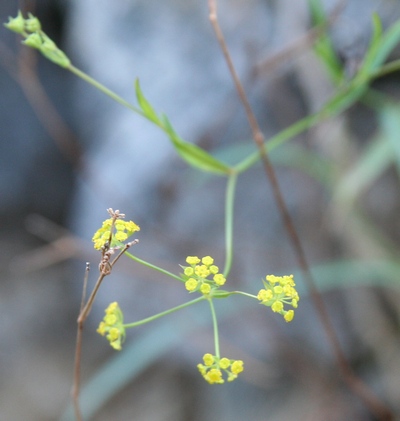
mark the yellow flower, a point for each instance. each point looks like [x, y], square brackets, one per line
[208, 359]
[200, 270]
[278, 292]
[192, 260]
[214, 376]
[224, 363]
[277, 306]
[205, 289]
[191, 284]
[207, 260]
[219, 279]
[214, 368]
[214, 269]
[289, 315]
[112, 326]
[122, 230]
[188, 271]
[237, 367]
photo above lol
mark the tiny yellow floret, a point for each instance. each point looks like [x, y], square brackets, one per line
[224, 363]
[208, 359]
[191, 284]
[192, 260]
[205, 289]
[207, 260]
[237, 367]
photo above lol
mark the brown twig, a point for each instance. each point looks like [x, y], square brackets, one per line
[78, 351]
[374, 404]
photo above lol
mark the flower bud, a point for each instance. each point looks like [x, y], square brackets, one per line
[32, 24]
[16, 24]
[34, 41]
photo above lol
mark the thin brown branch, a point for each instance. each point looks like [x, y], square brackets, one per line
[376, 407]
[24, 73]
[105, 268]
[78, 352]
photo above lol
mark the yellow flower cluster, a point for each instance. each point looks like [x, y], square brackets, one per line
[213, 368]
[112, 326]
[279, 290]
[122, 231]
[198, 272]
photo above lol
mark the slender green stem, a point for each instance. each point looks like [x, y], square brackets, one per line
[342, 100]
[149, 265]
[391, 67]
[229, 203]
[164, 313]
[244, 293]
[215, 326]
[104, 89]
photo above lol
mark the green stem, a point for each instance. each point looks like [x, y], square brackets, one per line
[229, 203]
[151, 266]
[104, 89]
[342, 100]
[164, 313]
[386, 69]
[244, 293]
[215, 326]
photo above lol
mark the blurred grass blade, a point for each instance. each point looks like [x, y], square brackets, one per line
[323, 46]
[380, 47]
[354, 273]
[376, 158]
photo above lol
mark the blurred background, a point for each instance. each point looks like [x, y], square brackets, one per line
[67, 153]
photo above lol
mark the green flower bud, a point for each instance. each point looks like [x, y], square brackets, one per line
[34, 41]
[50, 50]
[32, 24]
[16, 24]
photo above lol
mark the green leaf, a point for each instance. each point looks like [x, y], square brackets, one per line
[380, 47]
[323, 46]
[147, 109]
[192, 154]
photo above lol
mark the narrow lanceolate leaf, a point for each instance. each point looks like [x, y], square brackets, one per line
[323, 46]
[380, 47]
[146, 107]
[193, 154]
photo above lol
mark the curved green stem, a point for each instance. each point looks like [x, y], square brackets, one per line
[164, 313]
[104, 89]
[391, 67]
[229, 203]
[244, 293]
[151, 266]
[345, 97]
[215, 326]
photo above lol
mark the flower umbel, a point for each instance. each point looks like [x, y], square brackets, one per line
[214, 368]
[115, 231]
[202, 275]
[278, 291]
[112, 326]
[31, 30]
